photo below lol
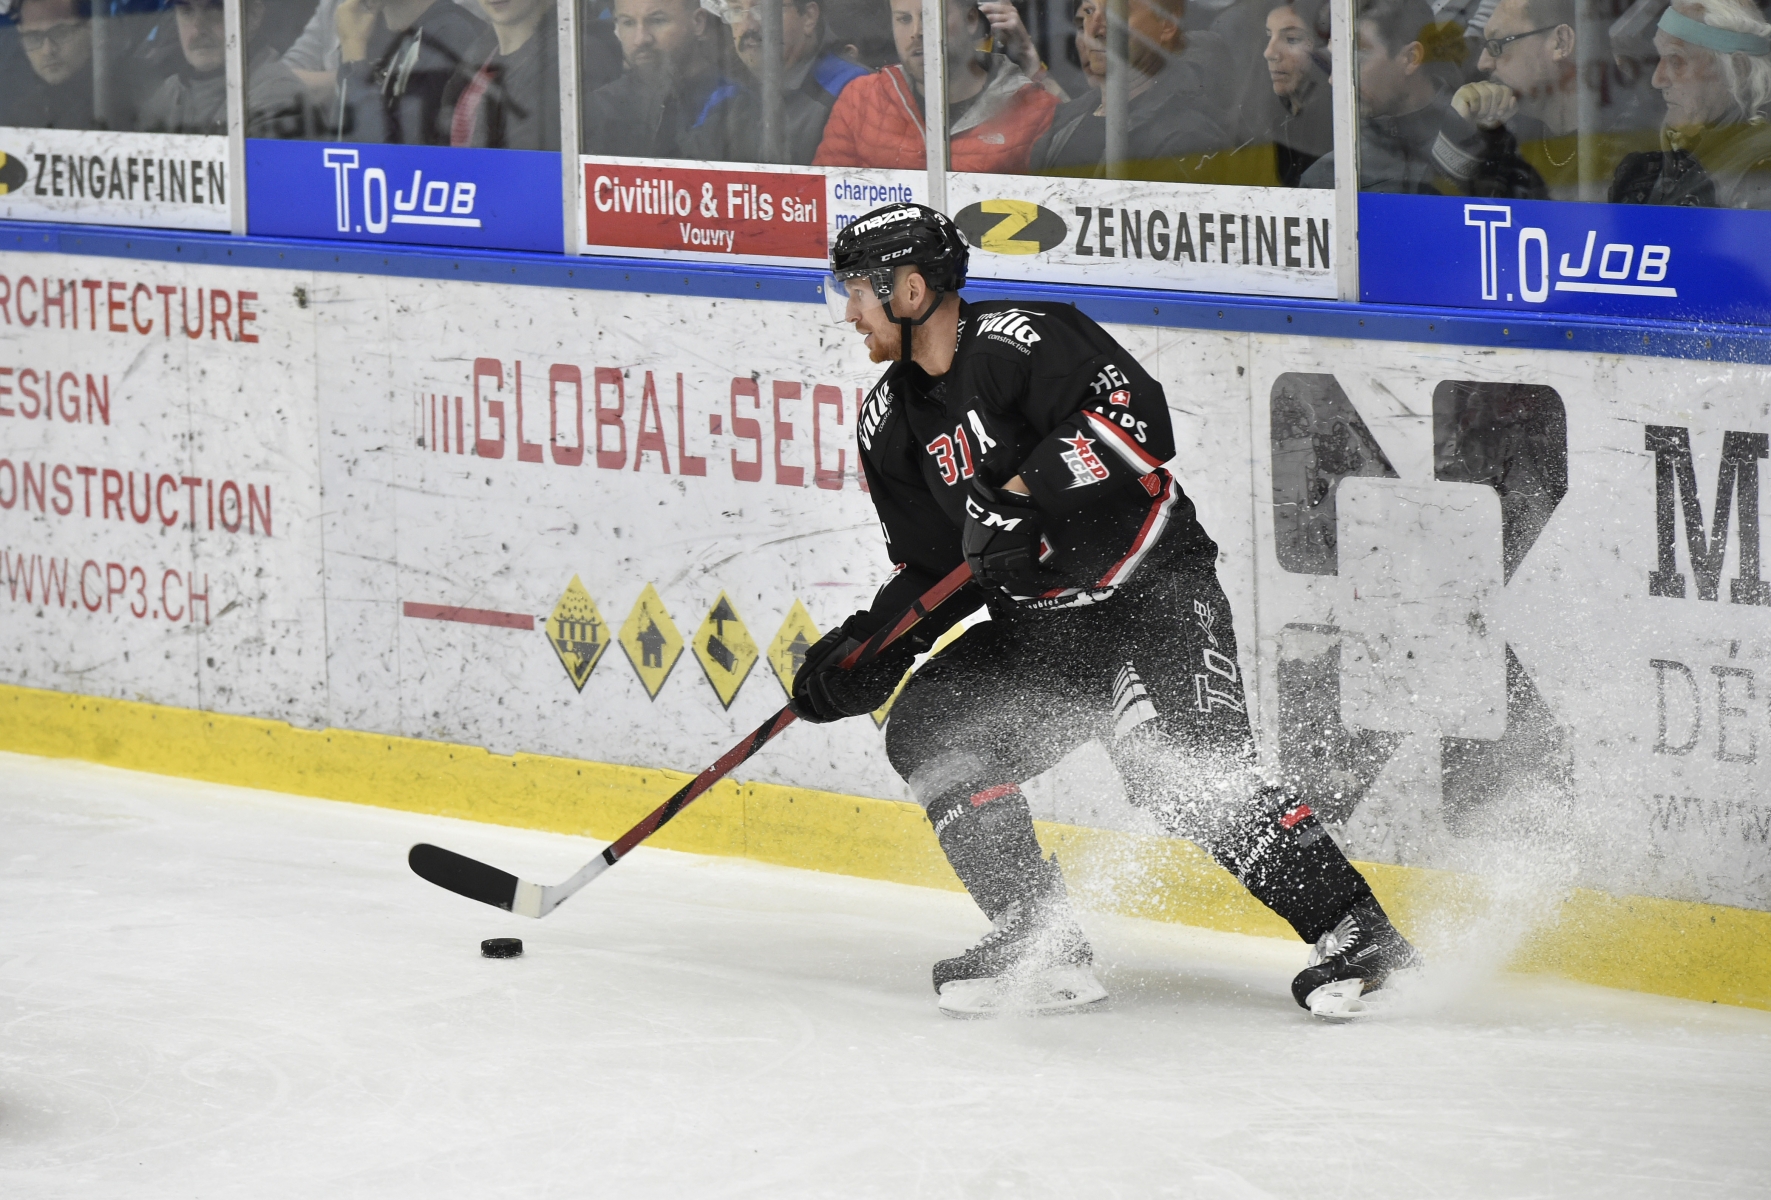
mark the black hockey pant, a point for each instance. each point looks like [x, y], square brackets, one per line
[1150, 673]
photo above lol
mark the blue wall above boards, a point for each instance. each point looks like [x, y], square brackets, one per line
[1464, 326]
[1532, 256]
[430, 195]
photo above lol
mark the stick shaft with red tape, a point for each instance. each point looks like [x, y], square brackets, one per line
[489, 885]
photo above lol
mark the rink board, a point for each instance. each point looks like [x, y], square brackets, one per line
[1674, 948]
[1486, 598]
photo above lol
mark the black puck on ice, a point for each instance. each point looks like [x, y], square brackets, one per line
[502, 948]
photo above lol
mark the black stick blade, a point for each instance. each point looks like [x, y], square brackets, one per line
[463, 876]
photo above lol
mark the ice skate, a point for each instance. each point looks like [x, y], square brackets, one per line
[1035, 962]
[1357, 957]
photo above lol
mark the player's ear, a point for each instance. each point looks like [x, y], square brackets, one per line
[911, 289]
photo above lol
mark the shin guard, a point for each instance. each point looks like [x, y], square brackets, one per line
[988, 838]
[1286, 859]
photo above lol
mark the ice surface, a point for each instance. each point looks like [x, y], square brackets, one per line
[213, 992]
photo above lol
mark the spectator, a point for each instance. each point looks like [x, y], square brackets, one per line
[1531, 97]
[1715, 75]
[1009, 37]
[1168, 134]
[863, 31]
[507, 94]
[599, 53]
[56, 39]
[995, 113]
[813, 76]
[313, 58]
[672, 53]
[396, 60]
[193, 99]
[1089, 17]
[1301, 121]
[1410, 138]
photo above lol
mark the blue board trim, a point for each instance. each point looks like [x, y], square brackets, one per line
[1178, 310]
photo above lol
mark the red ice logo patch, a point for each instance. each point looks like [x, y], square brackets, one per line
[1085, 466]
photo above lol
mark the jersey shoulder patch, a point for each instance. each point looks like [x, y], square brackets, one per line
[874, 411]
[1019, 327]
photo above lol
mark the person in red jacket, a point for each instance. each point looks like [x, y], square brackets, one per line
[995, 112]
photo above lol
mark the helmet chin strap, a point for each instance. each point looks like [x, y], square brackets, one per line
[906, 324]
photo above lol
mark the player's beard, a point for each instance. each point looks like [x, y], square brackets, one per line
[887, 345]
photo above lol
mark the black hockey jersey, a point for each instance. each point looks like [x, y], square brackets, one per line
[1038, 390]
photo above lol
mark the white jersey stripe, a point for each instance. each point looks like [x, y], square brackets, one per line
[1135, 456]
[1148, 537]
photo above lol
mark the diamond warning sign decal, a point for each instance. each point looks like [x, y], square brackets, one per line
[650, 638]
[725, 649]
[788, 651]
[577, 632]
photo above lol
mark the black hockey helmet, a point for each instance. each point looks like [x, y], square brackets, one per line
[892, 236]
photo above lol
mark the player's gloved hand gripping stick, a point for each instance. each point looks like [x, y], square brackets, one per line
[487, 884]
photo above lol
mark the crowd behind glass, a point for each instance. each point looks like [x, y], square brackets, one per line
[1529, 99]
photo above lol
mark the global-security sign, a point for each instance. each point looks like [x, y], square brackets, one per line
[486, 199]
[1536, 256]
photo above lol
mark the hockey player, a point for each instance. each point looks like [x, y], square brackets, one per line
[1022, 439]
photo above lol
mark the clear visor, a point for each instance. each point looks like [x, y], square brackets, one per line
[864, 289]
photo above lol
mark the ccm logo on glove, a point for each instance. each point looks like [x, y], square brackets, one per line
[1001, 538]
[987, 518]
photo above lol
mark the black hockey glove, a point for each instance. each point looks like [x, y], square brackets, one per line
[1001, 538]
[823, 691]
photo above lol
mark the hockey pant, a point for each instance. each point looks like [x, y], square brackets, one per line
[1151, 674]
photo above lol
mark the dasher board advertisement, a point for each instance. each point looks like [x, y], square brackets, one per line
[167, 180]
[432, 195]
[731, 212]
[1259, 241]
[1126, 233]
[1618, 260]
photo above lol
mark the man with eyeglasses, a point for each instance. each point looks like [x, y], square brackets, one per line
[56, 37]
[1411, 139]
[1531, 97]
[813, 75]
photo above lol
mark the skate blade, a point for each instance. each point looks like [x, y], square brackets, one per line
[1340, 1001]
[1347, 1000]
[1050, 993]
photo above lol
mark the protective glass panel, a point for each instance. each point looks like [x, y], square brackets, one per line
[1596, 100]
[125, 65]
[788, 82]
[1152, 90]
[466, 73]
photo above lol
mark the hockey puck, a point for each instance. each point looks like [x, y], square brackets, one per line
[502, 948]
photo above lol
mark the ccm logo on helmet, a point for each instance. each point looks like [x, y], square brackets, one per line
[988, 519]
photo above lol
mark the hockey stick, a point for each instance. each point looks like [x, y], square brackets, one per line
[487, 884]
